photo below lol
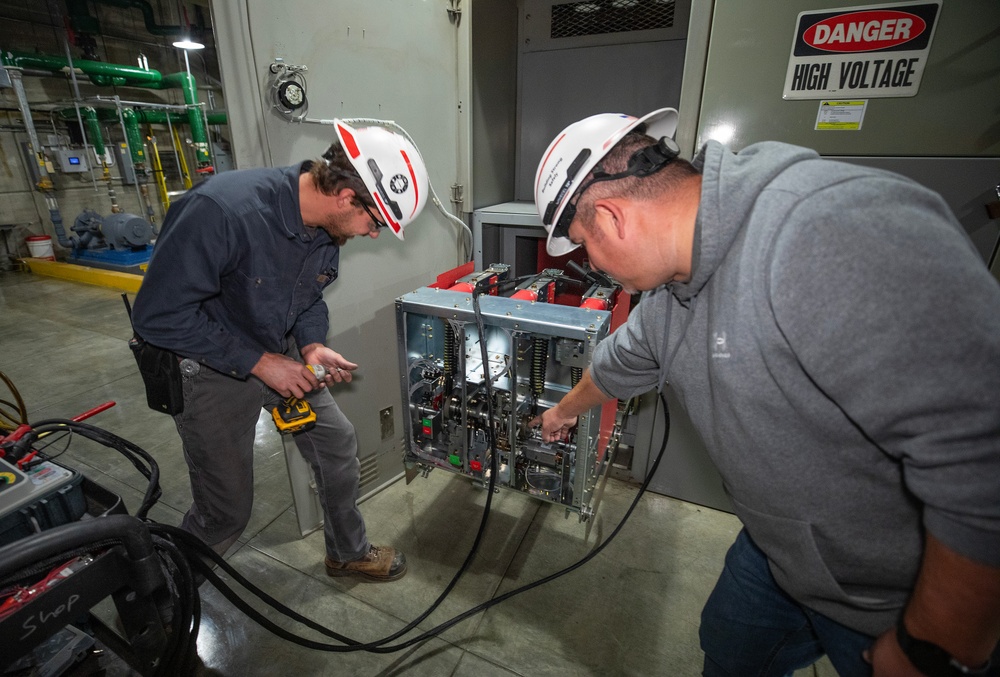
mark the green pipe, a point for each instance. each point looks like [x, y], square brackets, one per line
[93, 128]
[199, 137]
[159, 117]
[149, 116]
[134, 136]
[121, 75]
[105, 74]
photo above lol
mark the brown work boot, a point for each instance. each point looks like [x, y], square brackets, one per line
[380, 563]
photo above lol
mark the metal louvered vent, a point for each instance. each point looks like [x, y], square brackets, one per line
[595, 17]
[369, 470]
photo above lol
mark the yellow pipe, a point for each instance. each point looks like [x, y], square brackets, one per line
[112, 279]
[161, 180]
[180, 157]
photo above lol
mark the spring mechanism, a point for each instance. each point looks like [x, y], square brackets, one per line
[575, 374]
[539, 359]
[449, 349]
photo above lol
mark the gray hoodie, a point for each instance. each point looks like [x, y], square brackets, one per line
[838, 350]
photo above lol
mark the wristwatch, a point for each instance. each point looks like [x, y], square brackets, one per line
[931, 659]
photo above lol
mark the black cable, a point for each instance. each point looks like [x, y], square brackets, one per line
[181, 653]
[55, 438]
[353, 645]
[189, 543]
[198, 551]
[139, 457]
[379, 646]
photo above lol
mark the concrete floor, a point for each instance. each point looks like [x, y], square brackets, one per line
[633, 610]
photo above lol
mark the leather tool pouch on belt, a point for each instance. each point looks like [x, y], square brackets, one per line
[161, 374]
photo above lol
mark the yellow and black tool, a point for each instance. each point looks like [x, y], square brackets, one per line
[294, 415]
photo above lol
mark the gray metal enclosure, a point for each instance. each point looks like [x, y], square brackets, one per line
[947, 136]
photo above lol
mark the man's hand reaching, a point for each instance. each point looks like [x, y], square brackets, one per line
[338, 369]
[554, 426]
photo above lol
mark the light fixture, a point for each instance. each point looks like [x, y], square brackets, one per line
[188, 43]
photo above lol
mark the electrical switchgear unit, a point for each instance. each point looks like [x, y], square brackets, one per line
[540, 335]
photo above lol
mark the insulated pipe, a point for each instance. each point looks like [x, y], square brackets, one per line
[199, 136]
[133, 136]
[133, 139]
[159, 117]
[104, 74]
[100, 73]
[89, 115]
[145, 116]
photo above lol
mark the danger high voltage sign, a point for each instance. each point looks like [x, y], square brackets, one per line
[875, 51]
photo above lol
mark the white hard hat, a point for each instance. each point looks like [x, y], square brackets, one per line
[574, 153]
[391, 168]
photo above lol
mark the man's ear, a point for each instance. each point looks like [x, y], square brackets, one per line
[611, 212]
[346, 196]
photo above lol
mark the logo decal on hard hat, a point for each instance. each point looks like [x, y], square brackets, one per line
[398, 184]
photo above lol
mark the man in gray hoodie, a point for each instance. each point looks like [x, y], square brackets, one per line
[835, 338]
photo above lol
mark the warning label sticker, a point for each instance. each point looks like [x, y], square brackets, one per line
[841, 115]
[876, 51]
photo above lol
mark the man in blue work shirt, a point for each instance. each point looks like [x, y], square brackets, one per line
[236, 287]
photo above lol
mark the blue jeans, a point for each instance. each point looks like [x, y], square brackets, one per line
[750, 627]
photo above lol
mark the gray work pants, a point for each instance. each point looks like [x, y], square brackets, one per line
[217, 429]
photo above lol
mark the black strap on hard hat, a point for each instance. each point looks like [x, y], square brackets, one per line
[571, 173]
[389, 202]
[643, 162]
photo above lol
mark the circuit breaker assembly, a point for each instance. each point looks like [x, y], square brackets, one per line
[540, 335]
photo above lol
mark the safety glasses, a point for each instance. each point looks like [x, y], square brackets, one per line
[377, 224]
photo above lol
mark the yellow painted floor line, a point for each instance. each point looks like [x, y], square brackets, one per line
[112, 279]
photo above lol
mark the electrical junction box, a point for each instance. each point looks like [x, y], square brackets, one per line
[72, 161]
[45, 496]
[539, 336]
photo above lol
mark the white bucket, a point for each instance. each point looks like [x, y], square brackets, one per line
[40, 247]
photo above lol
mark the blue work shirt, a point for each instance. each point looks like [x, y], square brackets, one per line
[235, 272]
